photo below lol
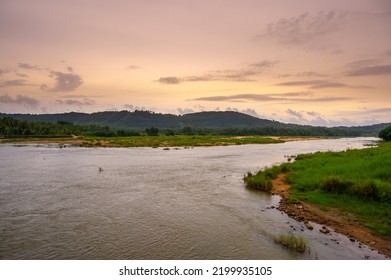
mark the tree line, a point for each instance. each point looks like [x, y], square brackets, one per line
[10, 127]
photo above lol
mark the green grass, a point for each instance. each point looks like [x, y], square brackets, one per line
[293, 242]
[176, 141]
[354, 181]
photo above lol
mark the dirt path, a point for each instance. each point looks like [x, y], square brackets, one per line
[341, 222]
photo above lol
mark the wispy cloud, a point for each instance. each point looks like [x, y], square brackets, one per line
[306, 30]
[133, 67]
[74, 102]
[28, 66]
[64, 82]
[371, 71]
[245, 74]
[314, 84]
[169, 80]
[284, 97]
[20, 100]
[14, 83]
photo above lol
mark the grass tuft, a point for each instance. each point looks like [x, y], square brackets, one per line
[293, 242]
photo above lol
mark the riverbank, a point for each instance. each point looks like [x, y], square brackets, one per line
[339, 221]
[348, 191]
[159, 141]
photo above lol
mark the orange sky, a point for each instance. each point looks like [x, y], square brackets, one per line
[309, 62]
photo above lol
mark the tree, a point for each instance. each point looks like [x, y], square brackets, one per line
[152, 131]
[385, 134]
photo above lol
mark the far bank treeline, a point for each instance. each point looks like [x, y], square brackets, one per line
[124, 123]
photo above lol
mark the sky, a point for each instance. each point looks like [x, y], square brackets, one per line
[324, 63]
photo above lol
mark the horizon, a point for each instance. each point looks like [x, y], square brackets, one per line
[179, 115]
[320, 63]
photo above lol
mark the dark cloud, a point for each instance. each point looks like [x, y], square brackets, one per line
[74, 102]
[2, 71]
[245, 74]
[284, 97]
[64, 82]
[314, 84]
[14, 83]
[20, 100]
[28, 66]
[306, 29]
[371, 70]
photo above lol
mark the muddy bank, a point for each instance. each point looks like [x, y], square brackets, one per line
[341, 222]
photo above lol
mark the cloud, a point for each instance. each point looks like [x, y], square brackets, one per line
[22, 75]
[284, 97]
[2, 71]
[169, 80]
[28, 66]
[309, 74]
[306, 29]
[20, 100]
[371, 71]
[14, 83]
[245, 74]
[184, 111]
[74, 102]
[64, 82]
[251, 112]
[294, 113]
[133, 67]
[133, 107]
[313, 84]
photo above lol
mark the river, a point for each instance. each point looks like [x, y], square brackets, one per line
[145, 203]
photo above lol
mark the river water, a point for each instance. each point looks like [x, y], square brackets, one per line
[144, 203]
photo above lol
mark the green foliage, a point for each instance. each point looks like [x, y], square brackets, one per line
[152, 131]
[293, 242]
[356, 181]
[385, 134]
[258, 182]
[202, 123]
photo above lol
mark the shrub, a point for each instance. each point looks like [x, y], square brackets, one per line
[385, 134]
[334, 184]
[258, 182]
[369, 190]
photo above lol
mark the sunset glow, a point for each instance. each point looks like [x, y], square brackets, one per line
[308, 62]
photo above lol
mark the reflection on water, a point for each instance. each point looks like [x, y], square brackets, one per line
[144, 203]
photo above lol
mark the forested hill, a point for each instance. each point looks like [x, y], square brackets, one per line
[144, 119]
[228, 122]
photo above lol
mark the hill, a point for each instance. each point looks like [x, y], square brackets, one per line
[228, 122]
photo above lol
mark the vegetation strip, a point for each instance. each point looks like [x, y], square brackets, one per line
[356, 183]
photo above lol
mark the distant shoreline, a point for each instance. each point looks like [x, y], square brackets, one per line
[158, 141]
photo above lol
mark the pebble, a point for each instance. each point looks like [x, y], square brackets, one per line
[308, 225]
[324, 230]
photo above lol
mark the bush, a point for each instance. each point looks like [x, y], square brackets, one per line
[385, 134]
[258, 182]
[369, 190]
[335, 185]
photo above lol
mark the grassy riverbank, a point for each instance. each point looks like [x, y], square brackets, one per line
[353, 181]
[155, 141]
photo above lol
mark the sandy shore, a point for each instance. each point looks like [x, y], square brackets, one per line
[341, 222]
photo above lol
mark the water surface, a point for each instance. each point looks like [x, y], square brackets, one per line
[144, 203]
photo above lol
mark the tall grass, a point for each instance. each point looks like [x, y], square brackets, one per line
[293, 242]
